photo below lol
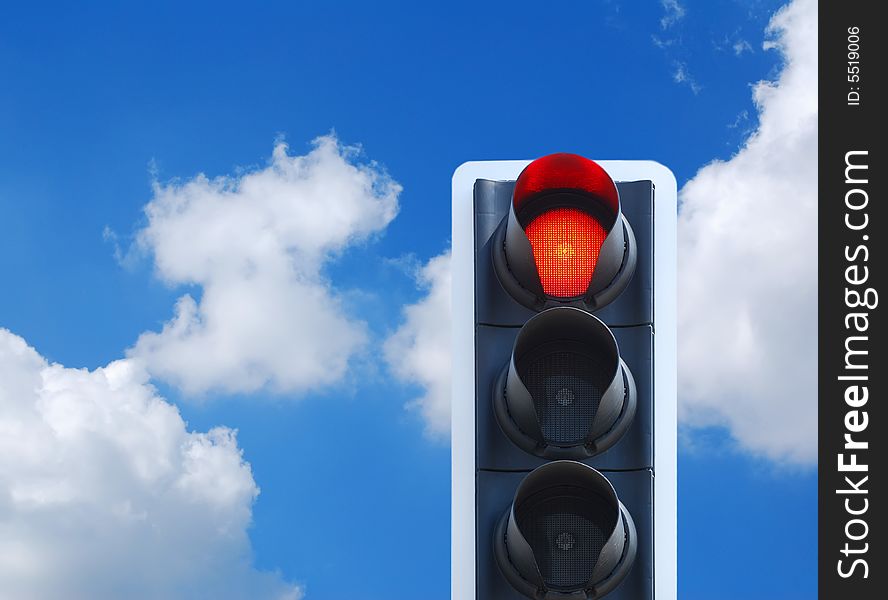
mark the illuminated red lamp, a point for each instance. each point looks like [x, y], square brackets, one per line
[565, 240]
[565, 236]
[566, 243]
[568, 173]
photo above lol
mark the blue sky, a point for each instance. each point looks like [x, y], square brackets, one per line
[99, 101]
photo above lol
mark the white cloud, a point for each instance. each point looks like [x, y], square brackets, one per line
[674, 12]
[419, 351]
[104, 494]
[733, 42]
[741, 119]
[748, 266]
[256, 246]
[673, 46]
[682, 75]
[741, 46]
[663, 44]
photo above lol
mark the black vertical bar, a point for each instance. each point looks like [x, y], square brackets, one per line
[853, 562]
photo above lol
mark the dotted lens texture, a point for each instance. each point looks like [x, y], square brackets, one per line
[566, 243]
[566, 388]
[566, 534]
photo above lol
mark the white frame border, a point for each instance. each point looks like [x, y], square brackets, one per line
[462, 586]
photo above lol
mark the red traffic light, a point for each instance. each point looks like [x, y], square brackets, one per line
[565, 241]
[565, 172]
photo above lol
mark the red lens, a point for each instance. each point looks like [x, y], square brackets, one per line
[566, 172]
[566, 243]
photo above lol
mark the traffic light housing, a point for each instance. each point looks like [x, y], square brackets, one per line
[561, 416]
[565, 392]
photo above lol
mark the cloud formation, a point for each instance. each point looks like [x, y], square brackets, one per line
[748, 266]
[256, 246]
[419, 351]
[674, 12]
[741, 46]
[682, 75]
[104, 494]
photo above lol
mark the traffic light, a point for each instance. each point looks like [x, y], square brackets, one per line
[564, 424]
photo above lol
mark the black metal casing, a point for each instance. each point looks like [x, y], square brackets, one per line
[501, 465]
